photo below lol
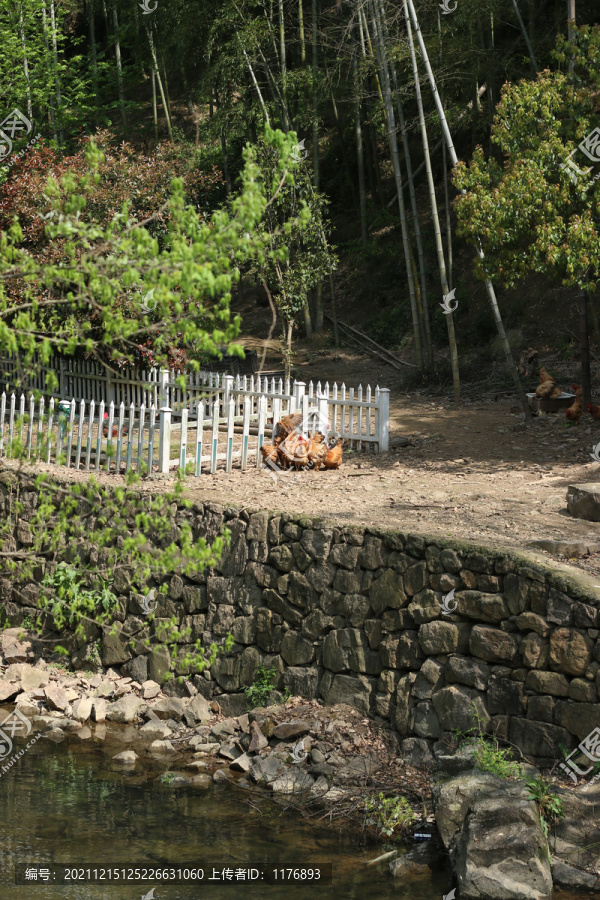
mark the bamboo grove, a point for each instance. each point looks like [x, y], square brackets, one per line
[384, 96]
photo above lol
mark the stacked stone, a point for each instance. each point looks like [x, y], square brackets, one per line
[353, 615]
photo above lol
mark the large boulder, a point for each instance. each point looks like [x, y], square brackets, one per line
[493, 835]
[583, 501]
[124, 710]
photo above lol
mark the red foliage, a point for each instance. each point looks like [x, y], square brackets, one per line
[125, 175]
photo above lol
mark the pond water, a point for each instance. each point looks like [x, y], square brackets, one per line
[68, 804]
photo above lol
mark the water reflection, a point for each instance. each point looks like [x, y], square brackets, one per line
[66, 803]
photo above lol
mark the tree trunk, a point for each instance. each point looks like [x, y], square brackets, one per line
[287, 354]
[119, 66]
[423, 304]
[56, 74]
[282, 61]
[526, 36]
[434, 212]
[254, 82]
[50, 103]
[571, 25]
[166, 84]
[308, 327]
[454, 159]
[25, 62]
[448, 220]
[393, 142]
[225, 161]
[372, 146]
[154, 106]
[586, 381]
[315, 73]
[160, 84]
[336, 334]
[302, 37]
[92, 25]
[359, 156]
[319, 308]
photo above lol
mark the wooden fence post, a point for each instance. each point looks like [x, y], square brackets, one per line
[299, 390]
[164, 439]
[163, 384]
[384, 420]
[323, 415]
[228, 388]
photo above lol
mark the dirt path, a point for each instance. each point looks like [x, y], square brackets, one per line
[477, 473]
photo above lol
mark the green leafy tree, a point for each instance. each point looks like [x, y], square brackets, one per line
[75, 303]
[296, 228]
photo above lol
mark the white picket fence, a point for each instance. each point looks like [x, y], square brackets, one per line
[228, 424]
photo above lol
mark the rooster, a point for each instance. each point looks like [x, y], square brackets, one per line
[573, 413]
[333, 460]
[594, 411]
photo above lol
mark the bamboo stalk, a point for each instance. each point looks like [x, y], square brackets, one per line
[489, 286]
[393, 142]
[434, 212]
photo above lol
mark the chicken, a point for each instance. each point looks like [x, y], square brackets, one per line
[293, 451]
[288, 424]
[269, 453]
[333, 460]
[115, 431]
[573, 413]
[317, 451]
[547, 385]
[528, 362]
[544, 390]
[556, 393]
[594, 411]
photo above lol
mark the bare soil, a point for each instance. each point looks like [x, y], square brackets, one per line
[477, 473]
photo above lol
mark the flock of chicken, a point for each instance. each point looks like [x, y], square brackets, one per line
[548, 389]
[290, 448]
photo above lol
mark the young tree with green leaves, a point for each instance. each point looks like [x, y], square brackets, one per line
[537, 210]
[86, 300]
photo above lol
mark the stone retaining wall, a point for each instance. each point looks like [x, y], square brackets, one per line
[353, 615]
